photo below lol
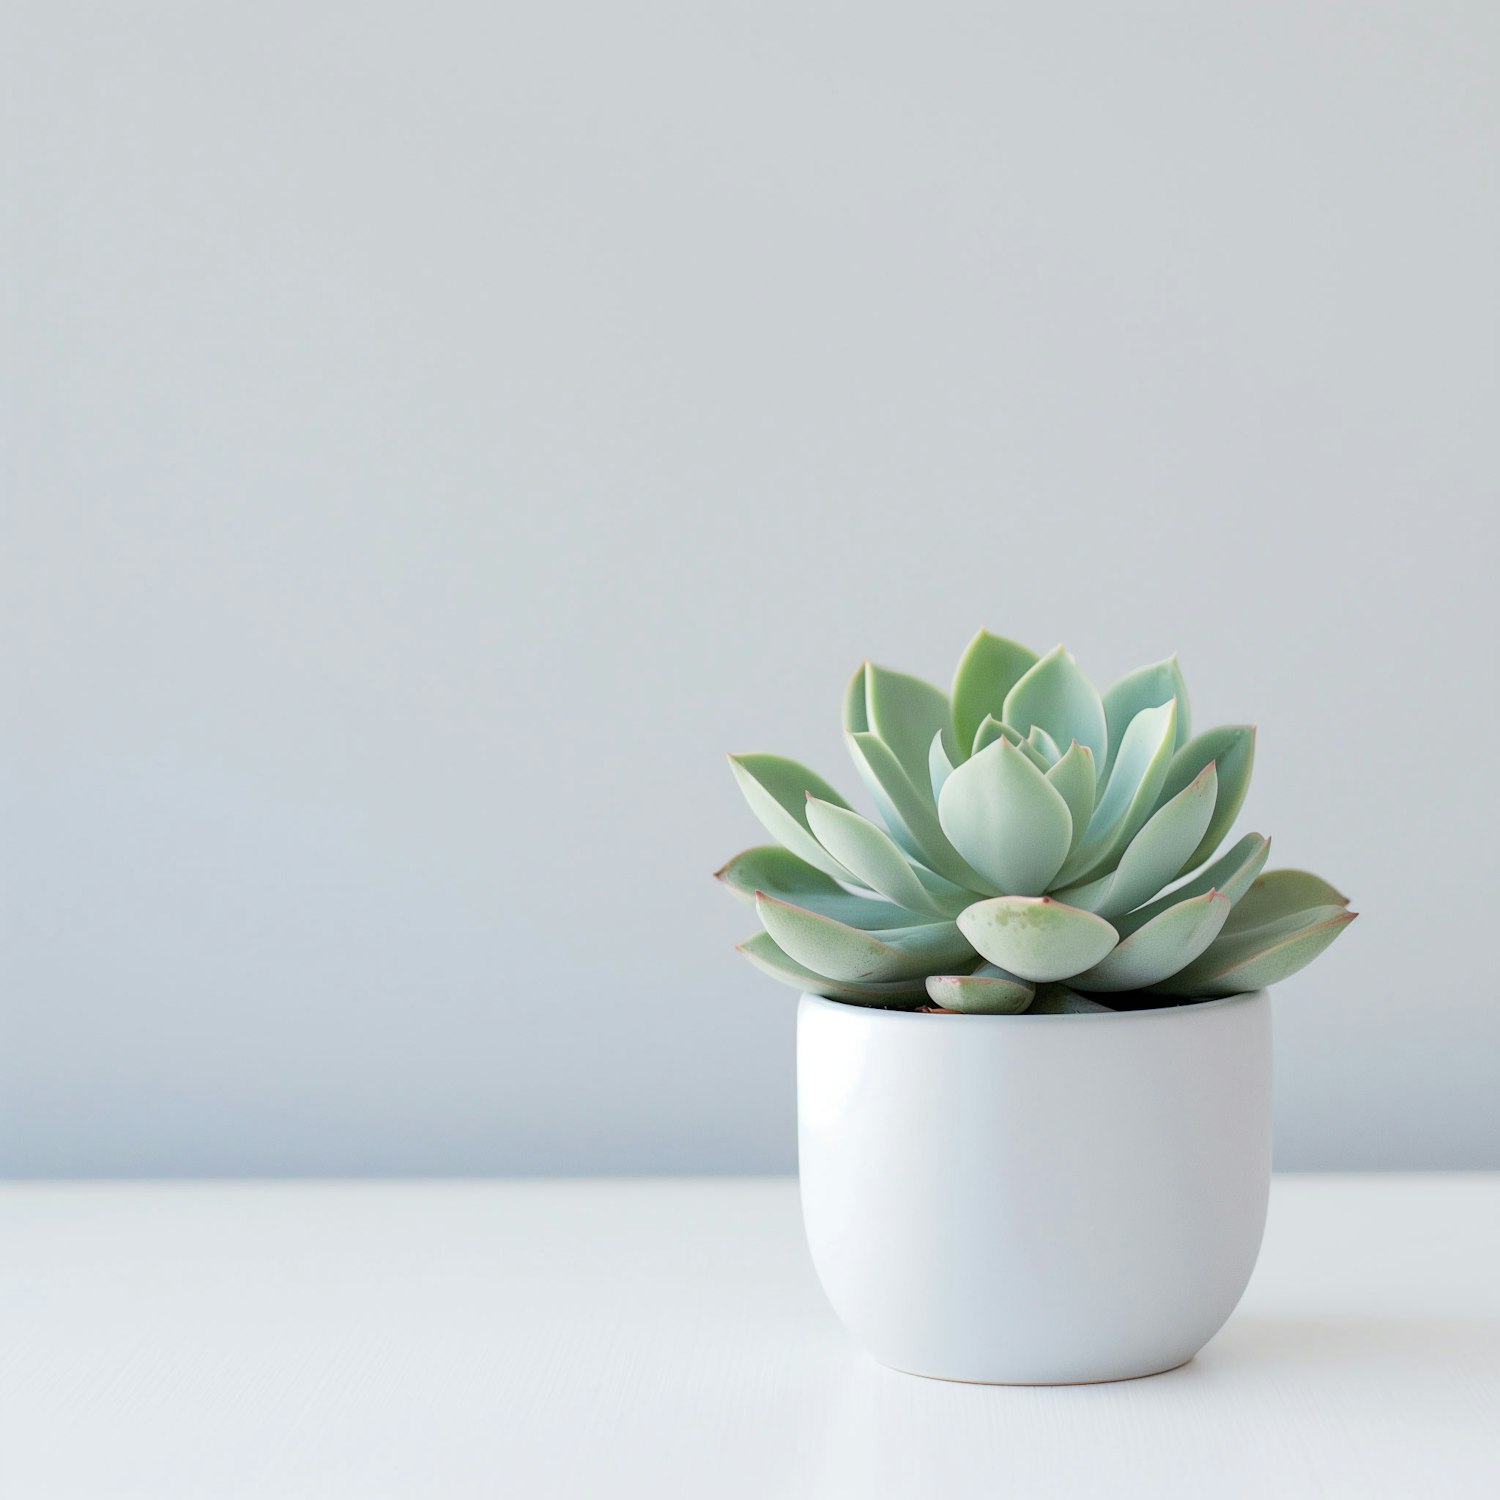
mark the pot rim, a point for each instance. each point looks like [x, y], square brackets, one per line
[1091, 1016]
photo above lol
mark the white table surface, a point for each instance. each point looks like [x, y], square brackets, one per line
[667, 1338]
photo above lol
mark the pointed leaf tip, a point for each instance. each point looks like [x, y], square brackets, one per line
[1262, 955]
[776, 788]
[854, 955]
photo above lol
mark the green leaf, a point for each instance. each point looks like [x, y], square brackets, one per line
[1232, 749]
[990, 731]
[776, 789]
[1160, 948]
[1045, 746]
[1230, 874]
[843, 952]
[870, 856]
[1055, 694]
[1282, 893]
[900, 805]
[1073, 778]
[989, 669]
[856, 720]
[906, 713]
[1035, 937]
[762, 951]
[988, 991]
[1059, 1000]
[993, 730]
[939, 767]
[909, 814]
[1262, 955]
[1030, 752]
[1154, 856]
[1006, 819]
[778, 872]
[1129, 796]
[1147, 687]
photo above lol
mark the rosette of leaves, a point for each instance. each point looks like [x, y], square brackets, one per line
[1040, 847]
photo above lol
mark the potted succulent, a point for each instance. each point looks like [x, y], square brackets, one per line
[1034, 1070]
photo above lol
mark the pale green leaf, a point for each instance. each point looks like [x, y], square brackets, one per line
[1073, 777]
[1262, 955]
[1129, 796]
[906, 713]
[871, 856]
[1231, 874]
[990, 667]
[1045, 746]
[762, 951]
[1160, 948]
[848, 953]
[990, 730]
[909, 814]
[1006, 820]
[778, 872]
[1055, 694]
[1034, 755]
[939, 767]
[1282, 893]
[1147, 687]
[856, 719]
[1154, 856]
[1035, 937]
[988, 991]
[776, 789]
[1232, 749]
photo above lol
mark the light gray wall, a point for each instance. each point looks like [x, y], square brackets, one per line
[435, 434]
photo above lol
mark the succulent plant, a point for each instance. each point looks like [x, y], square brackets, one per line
[1034, 835]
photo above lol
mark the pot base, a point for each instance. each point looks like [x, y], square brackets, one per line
[1032, 1385]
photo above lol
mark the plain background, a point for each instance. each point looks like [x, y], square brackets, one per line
[435, 435]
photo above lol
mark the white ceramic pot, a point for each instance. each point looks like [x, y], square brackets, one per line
[1035, 1200]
